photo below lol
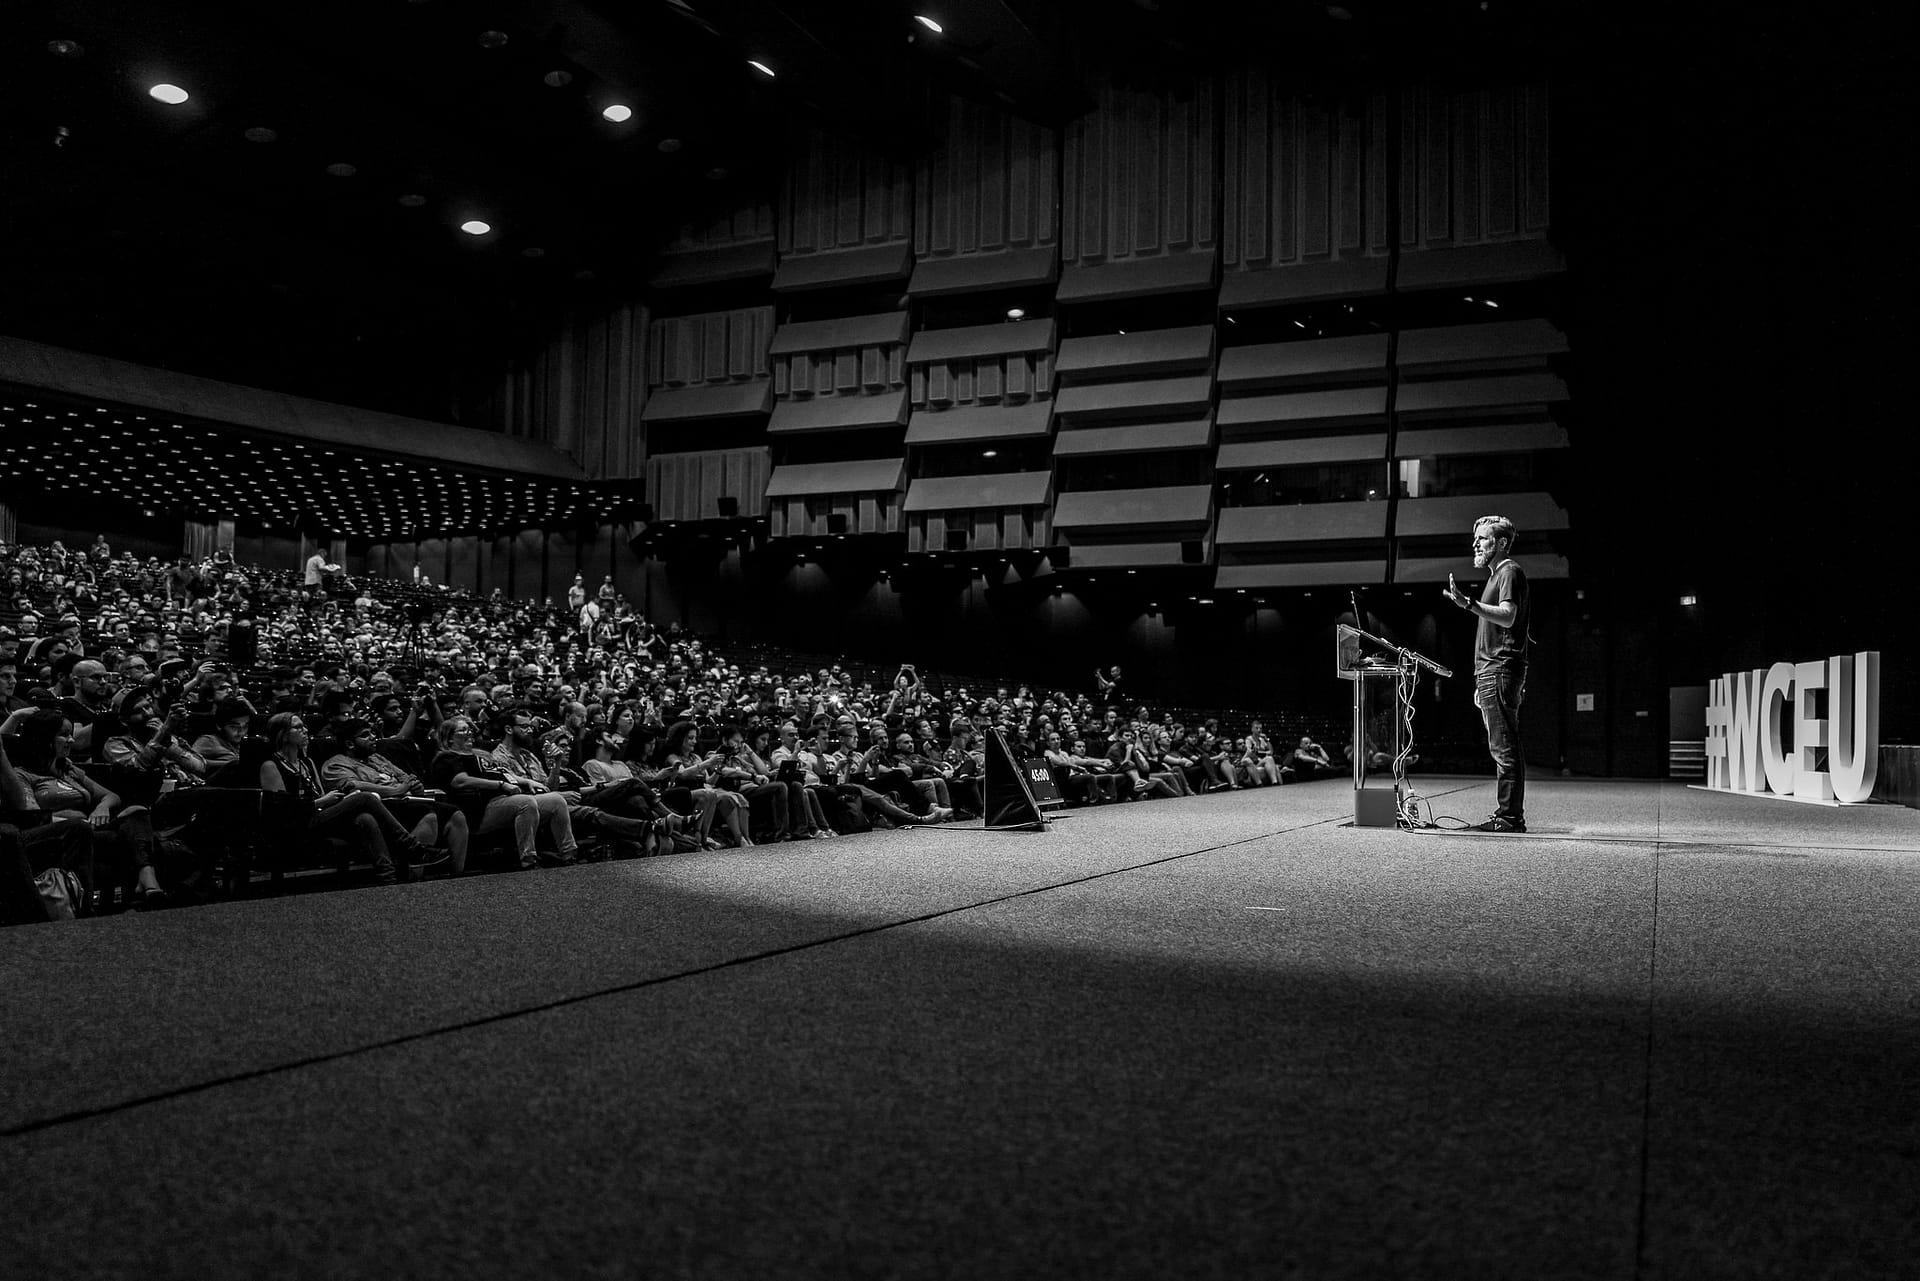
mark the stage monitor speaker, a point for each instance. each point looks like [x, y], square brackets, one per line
[1376, 806]
[1010, 802]
[956, 540]
[1190, 552]
[836, 522]
[729, 506]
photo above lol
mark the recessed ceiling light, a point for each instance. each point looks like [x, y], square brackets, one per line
[761, 67]
[533, 251]
[341, 169]
[668, 145]
[474, 227]
[618, 113]
[260, 133]
[927, 22]
[66, 48]
[492, 39]
[717, 173]
[172, 95]
[1016, 313]
[557, 79]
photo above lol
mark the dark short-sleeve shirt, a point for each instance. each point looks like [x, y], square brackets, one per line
[1504, 649]
[447, 764]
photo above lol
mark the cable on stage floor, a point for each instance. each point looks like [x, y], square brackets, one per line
[1415, 811]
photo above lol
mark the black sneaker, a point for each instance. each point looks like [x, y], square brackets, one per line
[1500, 824]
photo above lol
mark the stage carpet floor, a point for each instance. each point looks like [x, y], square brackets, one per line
[1666, 1034]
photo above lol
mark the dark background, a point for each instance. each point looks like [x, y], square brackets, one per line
[1726, 191]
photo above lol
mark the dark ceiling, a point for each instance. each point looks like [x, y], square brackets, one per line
[1724, 175]
[164, 235]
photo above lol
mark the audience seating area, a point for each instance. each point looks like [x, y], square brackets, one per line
[574, 710]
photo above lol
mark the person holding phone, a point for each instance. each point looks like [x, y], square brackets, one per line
[1503, 610]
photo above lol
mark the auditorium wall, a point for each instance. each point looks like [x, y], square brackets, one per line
[1178, 195]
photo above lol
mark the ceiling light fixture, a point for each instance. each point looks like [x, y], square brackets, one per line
[1016, 313]
[557, 79]
[492, 39]
[66, 48]
[761, 67]
[928, 23]
[341, 169]
[474, 227]
[260, 133]
[413, 200]
[668, 145]
[618, 113]
[172, 95]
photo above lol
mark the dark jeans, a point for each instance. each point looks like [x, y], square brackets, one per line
[1499, 695]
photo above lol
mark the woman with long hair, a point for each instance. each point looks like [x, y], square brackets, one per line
[614, 786]
[307, 806]
[684, 766]
[123, 835]
[493, 802]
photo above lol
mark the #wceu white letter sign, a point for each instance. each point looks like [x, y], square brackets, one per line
[1747, 714]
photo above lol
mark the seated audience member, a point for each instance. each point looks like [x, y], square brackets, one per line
[1076, 780]
[1218, 752]
[799, 764]
[642, 755]
[1378, 758]
[925, 774]
[562, 742]
[124, 839]
[360, 766]
[10, 700]
[745, 773]
[1260, 751]
[966, 762]
[221, 747]
[683, 765]
[92, 687]
[403, 727]
[302, 805]
[1113, 784]
[871, 767]
[518, 757]
[1192, 746]
[842, 764]
[1173, 756]
[610, 784]
[759, 755]
[494, 802]
[138, 737]
[1309, 760]
[1153, 743]
[1128, 760]
[40, 847]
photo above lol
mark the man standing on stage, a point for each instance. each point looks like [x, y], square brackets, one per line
[1500, 665]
